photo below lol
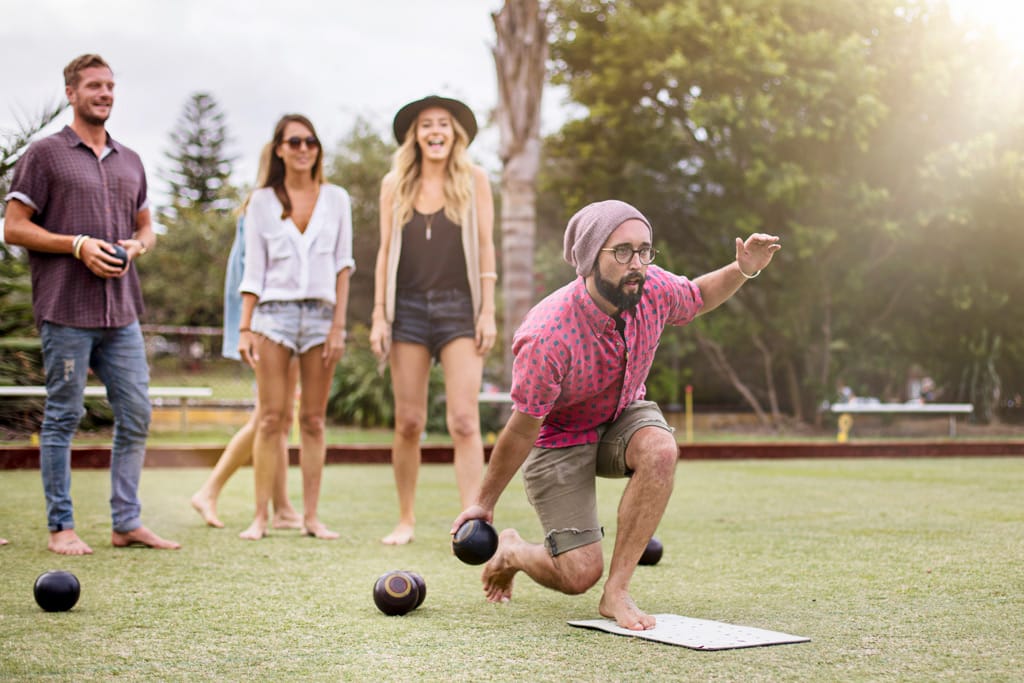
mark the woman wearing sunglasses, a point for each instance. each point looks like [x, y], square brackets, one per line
[238, 451]
[434, 290]
[298, 259]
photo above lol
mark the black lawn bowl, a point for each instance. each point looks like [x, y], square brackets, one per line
[652, 553]
[57, 591]
[475, 542]
[121, 255]
[396, 593]
[421, 586]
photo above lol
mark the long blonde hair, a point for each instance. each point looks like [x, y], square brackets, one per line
[406, 165]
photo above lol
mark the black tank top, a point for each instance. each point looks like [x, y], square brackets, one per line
[435, 263]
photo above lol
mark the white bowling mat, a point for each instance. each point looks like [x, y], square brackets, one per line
[699, 634]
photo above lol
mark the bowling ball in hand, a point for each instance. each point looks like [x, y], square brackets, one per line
[475, 542]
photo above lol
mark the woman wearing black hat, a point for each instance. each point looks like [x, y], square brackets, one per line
[434, 293]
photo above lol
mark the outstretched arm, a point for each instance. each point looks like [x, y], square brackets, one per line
[752, 256]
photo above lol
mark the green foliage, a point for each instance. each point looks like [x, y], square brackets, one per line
[359, 163]
[361, 395]
[15, 285]
[183, 278]
[880, 140]
[200, 174]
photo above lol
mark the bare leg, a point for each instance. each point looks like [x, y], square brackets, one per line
[272, 419]
[410, 375]
[316, 384]
[285, 515]
[141, 536]
[572, 572]
[463, 371]
[237, 453]
[652, 455]
[67, 542]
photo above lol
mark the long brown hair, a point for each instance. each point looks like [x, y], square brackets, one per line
[275, 173]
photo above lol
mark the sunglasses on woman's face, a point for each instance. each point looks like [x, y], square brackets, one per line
[296, 142]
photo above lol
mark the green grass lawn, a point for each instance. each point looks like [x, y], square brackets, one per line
[898, 570]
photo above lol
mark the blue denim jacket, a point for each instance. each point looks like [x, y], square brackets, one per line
[233, 297]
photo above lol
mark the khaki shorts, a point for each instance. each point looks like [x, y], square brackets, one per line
[561, 482]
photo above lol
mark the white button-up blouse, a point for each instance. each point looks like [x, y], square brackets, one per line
[283, 264]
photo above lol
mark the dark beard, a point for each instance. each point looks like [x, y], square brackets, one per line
[92, 120]
[615, 294]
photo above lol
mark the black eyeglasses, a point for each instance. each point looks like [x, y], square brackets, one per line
[624, 254]
[296, 142]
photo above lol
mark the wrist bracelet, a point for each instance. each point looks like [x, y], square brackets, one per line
[749, 277]
[489, 275]
[76, 246]
[244, 329]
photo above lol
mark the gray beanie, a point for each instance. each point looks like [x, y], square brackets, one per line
[591, 226]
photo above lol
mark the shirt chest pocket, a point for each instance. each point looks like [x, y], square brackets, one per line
[282, 264]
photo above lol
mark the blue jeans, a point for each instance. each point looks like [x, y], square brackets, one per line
[117, 355]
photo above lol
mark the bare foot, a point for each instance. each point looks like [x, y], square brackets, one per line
[67, 542]
[287, 519]
[256, 531]
[4, 541]
[618, 605]
[207, 509]
[141, 536]
[402, 534]
[316, 529]
[498, 573]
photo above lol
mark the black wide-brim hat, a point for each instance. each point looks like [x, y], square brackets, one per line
[407, 114]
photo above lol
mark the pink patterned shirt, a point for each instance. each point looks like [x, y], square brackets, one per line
[574, 369]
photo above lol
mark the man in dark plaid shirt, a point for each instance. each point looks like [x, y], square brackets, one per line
[75, 195]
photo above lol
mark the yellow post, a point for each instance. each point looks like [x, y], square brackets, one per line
[845, 423]
[689, 413]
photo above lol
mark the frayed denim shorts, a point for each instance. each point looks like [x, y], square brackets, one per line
[296, 325]
[433, 318]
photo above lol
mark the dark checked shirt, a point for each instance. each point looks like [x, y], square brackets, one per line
[73, 192]
[576, 370]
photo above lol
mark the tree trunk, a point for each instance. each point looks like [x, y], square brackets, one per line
[520, 57]
[721, 364]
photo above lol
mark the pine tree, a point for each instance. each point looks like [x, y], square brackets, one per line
[199, 177]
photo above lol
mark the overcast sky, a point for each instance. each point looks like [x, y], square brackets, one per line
[332, 61]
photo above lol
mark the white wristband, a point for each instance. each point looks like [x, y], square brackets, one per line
[749, 277]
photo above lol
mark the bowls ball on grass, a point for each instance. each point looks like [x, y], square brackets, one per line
[475, 541]
[652, 553]
[56, 591]
[421, 585]
[396, 593]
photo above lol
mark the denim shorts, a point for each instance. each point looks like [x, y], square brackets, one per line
[433, 318]
[560, 482]
[297, 325]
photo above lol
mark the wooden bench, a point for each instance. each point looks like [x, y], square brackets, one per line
[181, 395]
[846, 412]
